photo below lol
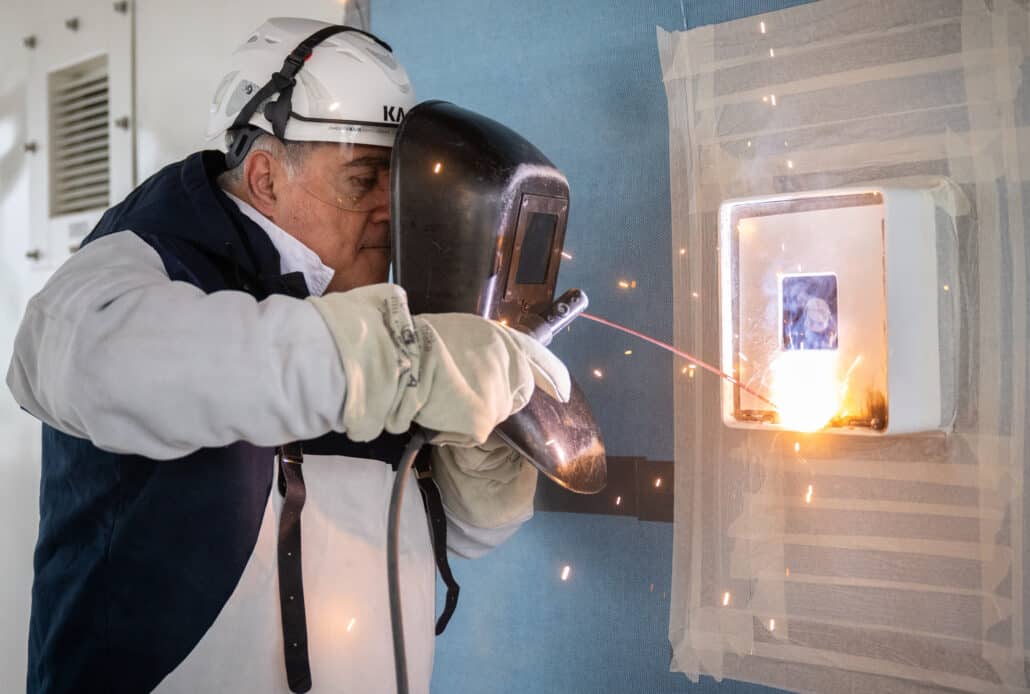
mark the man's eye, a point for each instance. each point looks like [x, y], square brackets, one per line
[364, 183]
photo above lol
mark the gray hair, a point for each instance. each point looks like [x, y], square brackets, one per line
[291, 154]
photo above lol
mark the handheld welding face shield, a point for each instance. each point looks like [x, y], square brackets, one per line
[478, 222]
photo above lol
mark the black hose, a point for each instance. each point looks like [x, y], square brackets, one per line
[393, 560]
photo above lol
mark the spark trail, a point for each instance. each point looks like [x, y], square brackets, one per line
[679, 353]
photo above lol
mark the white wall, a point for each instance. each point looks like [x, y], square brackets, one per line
[182, 49]
[19, 434]
[180, 46]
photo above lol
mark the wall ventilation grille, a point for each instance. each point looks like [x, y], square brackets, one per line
[80, 165]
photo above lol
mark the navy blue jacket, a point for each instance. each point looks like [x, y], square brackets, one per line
[136, 557]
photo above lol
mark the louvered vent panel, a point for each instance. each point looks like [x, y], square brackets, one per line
[80, 169]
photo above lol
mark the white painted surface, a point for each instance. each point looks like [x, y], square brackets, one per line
[19, 455]
[179, 47]
[182, 51]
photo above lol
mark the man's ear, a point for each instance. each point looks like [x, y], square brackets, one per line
[261, 173]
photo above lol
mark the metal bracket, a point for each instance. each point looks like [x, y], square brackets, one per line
[72, 24]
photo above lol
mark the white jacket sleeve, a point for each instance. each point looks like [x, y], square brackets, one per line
[114, 351]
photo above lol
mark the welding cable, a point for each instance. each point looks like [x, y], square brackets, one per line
[419, 438]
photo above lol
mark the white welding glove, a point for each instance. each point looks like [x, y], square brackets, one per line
[486, 486]
[454, 373]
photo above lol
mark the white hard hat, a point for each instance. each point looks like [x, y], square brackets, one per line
[310, 81]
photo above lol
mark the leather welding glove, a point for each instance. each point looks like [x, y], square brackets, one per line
[486, 486]
[453, 373]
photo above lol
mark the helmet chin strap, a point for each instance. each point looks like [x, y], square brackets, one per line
[282, 82]
[240, 142]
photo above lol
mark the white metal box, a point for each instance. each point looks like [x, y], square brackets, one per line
[829, 311]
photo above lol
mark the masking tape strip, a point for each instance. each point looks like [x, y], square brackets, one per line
[796, 577]
[813, 25]
[811, 50]
[958, 646]
[689, 520]
[928, 148]
[894, 470]
[1007, 246]
[812, 677]
[896, 507]
[688, 517]
[879, 666]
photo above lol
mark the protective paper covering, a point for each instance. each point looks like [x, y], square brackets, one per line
[826, 563]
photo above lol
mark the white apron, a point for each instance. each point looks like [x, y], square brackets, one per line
[343, 528]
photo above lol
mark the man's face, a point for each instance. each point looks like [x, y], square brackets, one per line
[338, 204]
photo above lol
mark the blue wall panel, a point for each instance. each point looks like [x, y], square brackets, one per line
[581, 79]
[520, 628]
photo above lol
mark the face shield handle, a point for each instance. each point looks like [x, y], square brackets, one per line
[278, 112]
